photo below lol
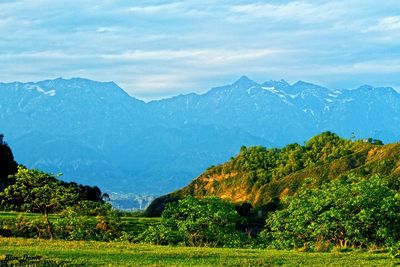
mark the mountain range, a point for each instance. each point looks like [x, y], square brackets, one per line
[95, 133]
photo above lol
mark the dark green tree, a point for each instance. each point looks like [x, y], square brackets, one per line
[196, 222]
[350, 211]
[8, 166]
[36, 191]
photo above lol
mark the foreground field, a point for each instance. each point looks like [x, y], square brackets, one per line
[124, 254]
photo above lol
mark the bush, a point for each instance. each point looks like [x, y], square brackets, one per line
[69, 225]
[196, 222]
[74, 226]
[344, 212]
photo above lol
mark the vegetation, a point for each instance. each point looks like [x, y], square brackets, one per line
[27, 190]
[323, 196]
[329, 194]
[345, 212]
[196, 222]
[262, 177]
[74, 225]
[36, 191]
[8, 166]
[125, 254]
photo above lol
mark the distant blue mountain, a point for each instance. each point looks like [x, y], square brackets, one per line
[95, 133]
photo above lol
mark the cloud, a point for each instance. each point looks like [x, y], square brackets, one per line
[366, 67]
[154, 9]
[387, 24]
[158, 48]
[197, 56]
[303, 12]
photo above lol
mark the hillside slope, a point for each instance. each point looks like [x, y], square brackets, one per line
[261, 176]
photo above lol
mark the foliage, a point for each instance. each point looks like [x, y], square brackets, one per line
[75, 224]
[71, 225]
[261, 176]
[68, 225]
[8, 166]
[10, 173]
[36, 191]
[196, 222]
[345, 212]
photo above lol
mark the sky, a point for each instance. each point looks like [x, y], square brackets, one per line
[157, 49]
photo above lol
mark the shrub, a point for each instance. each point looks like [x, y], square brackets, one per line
[349, 211]
[196, 222]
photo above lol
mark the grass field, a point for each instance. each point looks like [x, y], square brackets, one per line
[125, 254]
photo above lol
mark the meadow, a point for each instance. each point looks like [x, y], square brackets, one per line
[126, 254]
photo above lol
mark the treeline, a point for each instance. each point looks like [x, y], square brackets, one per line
[25, 190]
[36, 191]
[350, 212]
[16, 180]
[330, 193]
[262, 176]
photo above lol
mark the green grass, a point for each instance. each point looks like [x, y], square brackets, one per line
[125, 254]
[137, 225]
[14, 214]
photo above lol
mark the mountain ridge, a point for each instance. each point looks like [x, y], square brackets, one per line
[132, 137]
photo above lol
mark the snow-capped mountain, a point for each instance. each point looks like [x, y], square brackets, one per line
[95, 133]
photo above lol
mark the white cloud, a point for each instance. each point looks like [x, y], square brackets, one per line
[387, 24]
[104, 29]
[158, 47]
[366, 67]
[176, 9]
[303, 12]
[198, 56]
[153, 9]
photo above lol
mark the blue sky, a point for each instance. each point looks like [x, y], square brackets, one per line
[155, 49]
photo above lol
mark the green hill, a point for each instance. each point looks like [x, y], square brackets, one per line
[21, 179]
[262, 176]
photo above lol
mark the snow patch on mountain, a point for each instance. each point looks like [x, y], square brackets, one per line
[271, 89]
[30, 87]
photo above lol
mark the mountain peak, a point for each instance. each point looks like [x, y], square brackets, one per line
[244, 81]
[283, 81]
[303, 83]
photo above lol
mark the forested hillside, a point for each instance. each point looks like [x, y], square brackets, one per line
[21, 189]
[262, 177]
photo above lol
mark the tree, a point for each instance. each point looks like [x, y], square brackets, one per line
[37, 191]
[349, 211]
[196, 222]
[8, 166]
